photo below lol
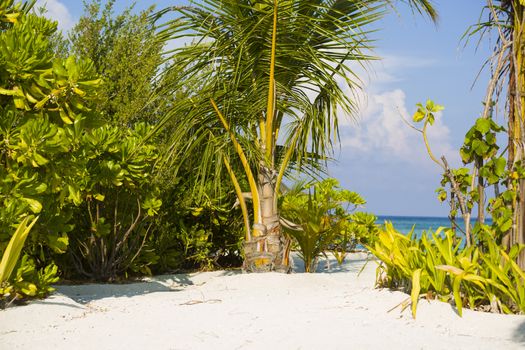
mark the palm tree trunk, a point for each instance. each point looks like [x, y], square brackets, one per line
[268, 248]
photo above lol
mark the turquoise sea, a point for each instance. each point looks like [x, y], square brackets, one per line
[420, 223]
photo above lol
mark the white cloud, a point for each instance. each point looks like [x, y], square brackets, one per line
[381, 130]
[57, 11]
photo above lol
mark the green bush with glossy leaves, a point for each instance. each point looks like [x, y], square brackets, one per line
[196, 234]
[44, 111]
[116, 199]
[90, 183]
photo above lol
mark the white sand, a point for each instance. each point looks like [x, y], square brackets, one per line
[230, 310]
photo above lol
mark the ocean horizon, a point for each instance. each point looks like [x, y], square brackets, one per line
[404, 224]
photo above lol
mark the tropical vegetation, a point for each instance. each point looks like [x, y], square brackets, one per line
[265, 82]
[323, 217]
[480, 265]
[123, 154]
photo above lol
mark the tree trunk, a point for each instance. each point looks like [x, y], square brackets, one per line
[481, 194]
[519, 96]
[268, 249]
[519, 235]
[516, 117]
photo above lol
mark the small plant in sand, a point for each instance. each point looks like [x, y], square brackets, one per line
[318, 217]
[360, 228]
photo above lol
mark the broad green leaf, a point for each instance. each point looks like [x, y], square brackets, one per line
[29, 289]
[483, 125]
[74, 194]
[34, 205]
[65, 118]
[8, 92]
[39, 160]
[418, 116]
[58, 243]
[480, 147]
[99, 197]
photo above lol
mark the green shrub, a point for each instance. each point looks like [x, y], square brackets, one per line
[45, 108]
[320, 218]
[90, 184]
[29, 281]
[116, 200]
[360, 228]
[191, 235]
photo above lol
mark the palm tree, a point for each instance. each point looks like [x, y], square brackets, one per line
[265, 82]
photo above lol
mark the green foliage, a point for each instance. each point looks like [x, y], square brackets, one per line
[18, 287]
[490, 169]
[14, 248]
[45, 107]
[480, 148]
[125, 52]
[437, 266]
[202, 235]
[29, 281]
[90, 184]
[462, 178]
[358, 228]
[427, 113]
[116, 198]
[43, 110]
[320, 216]
[480, 143]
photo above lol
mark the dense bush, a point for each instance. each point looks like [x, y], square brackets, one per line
[359, 229]
[195, 233]
[116, 201]
[91, 184]
[125, 52]
[44, 111]
[188, 231]
[21, 279]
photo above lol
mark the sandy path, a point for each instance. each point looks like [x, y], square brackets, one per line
[228, 310]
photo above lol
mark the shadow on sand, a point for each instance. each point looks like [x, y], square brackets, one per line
[519, 333]
[86, 293]
[353, 263]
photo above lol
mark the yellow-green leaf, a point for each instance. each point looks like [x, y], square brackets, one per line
[457, 295]
[416, 288]
[34, 205]
[99, 197]
[13, 249]
[65, 117]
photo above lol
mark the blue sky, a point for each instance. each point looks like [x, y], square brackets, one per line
[380, 156]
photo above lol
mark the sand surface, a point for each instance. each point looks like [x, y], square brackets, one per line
[334, 309]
